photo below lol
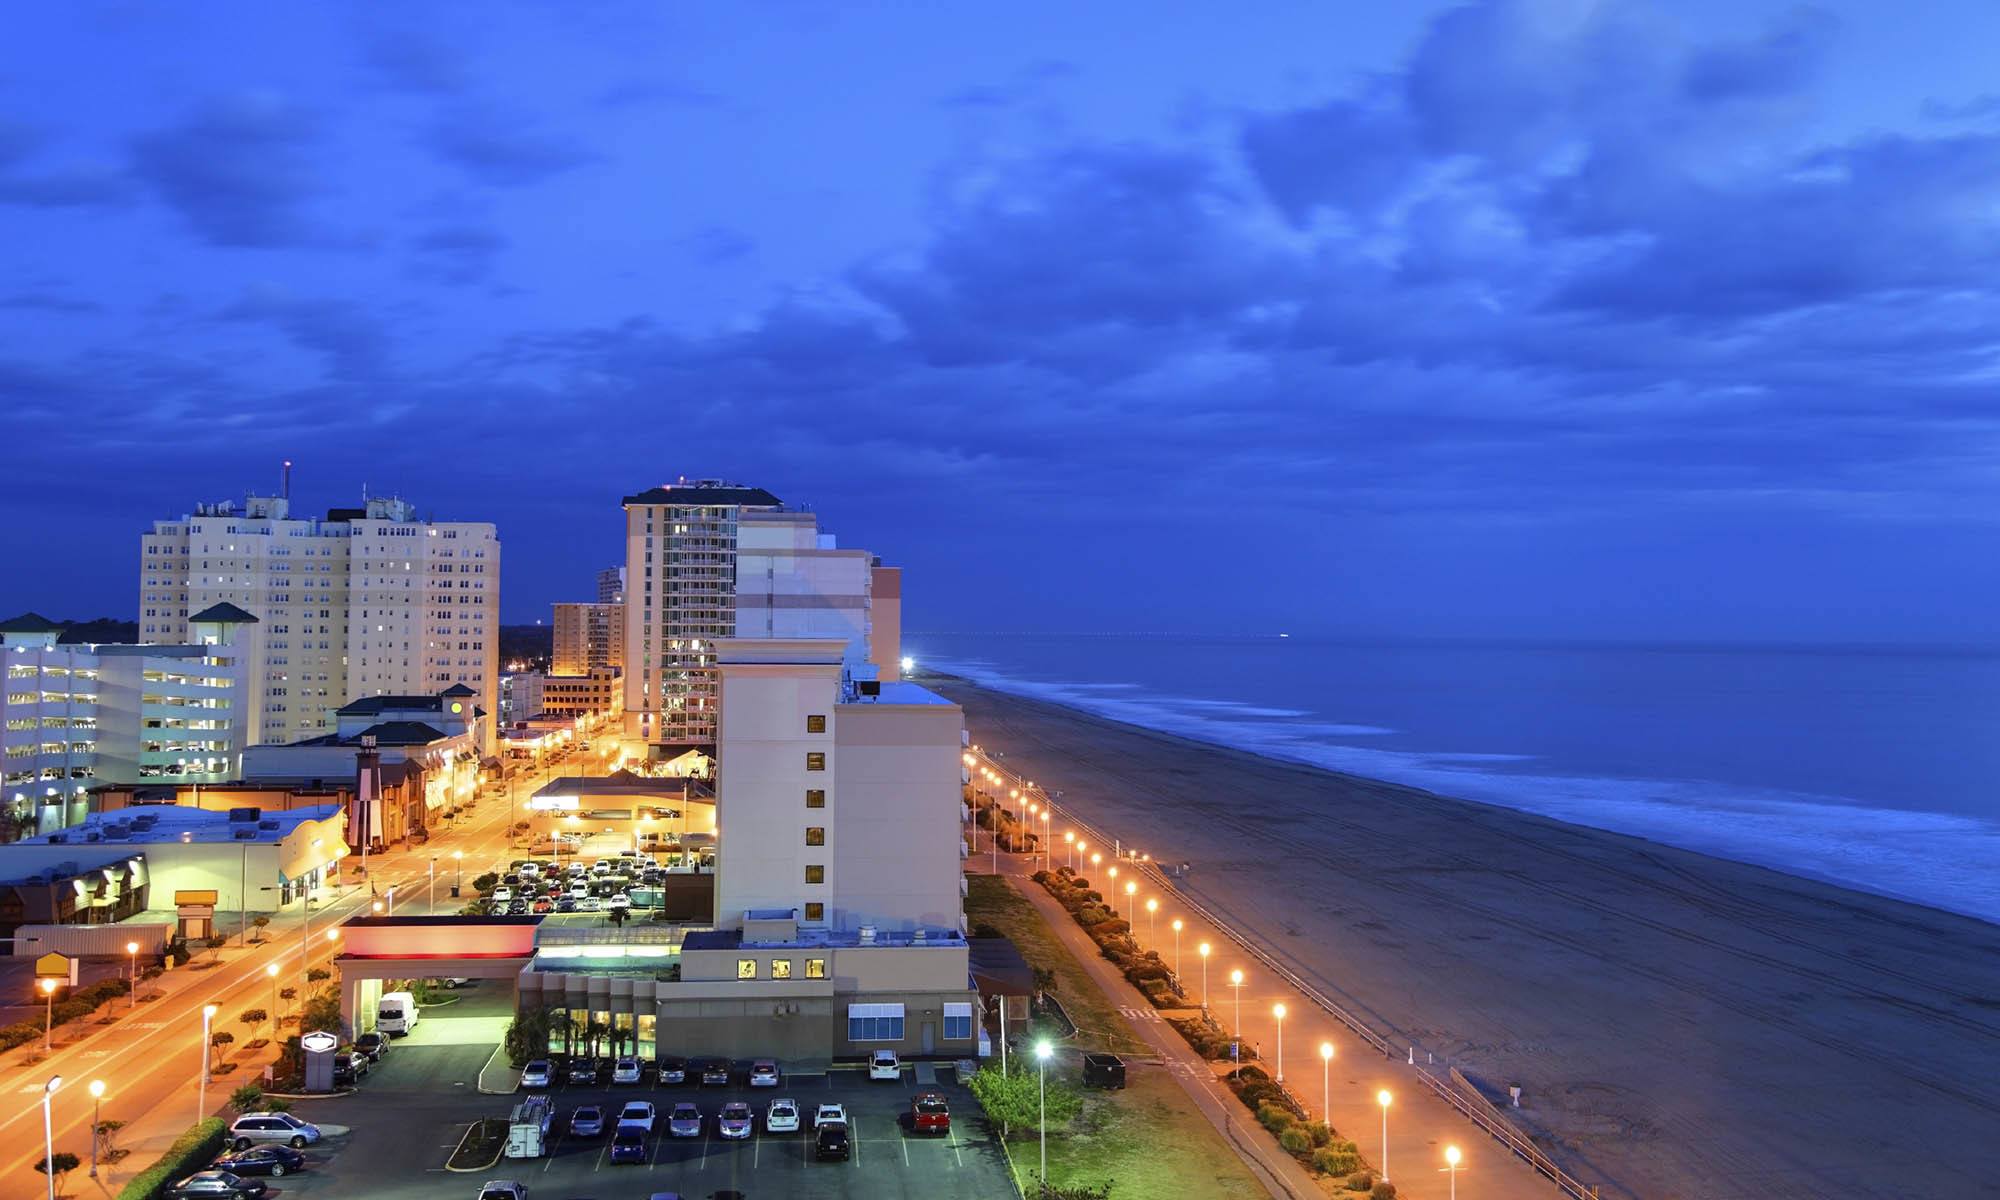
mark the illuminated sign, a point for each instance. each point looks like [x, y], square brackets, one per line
[553, 803]
[318, 1043]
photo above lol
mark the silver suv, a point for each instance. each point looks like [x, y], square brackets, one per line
[252, 1128]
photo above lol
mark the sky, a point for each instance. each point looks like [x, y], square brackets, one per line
[1534, 319]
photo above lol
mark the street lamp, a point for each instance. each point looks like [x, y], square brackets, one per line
[1278, 1014]
[96, 1108]
[1042, 1051]
[1048, 849]
[132, 952]
[272, 971]
[1152, 918]
[1236, 983]
[1069, 841]
[49, 1132]
[48, 987]
[1177, 950]
[458, 860]
[1203, 951]
[1131, 902]
[1326, 1083]
[1383, 1098]
[1451, 1157]
[1095, 859]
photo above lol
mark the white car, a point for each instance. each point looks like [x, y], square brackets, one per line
[763, 1073]
[829, 1114]
[503, 1189]
[782, 1117]
[625, 1070]
[619, 900]
[537, 1074]
[578, 891]
[590, 904]
[503, 893]
[883, 1064]
[637, 1112]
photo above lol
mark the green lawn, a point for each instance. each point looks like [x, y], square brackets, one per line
[1149, 1138]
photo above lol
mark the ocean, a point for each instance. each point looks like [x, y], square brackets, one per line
[1871, 768]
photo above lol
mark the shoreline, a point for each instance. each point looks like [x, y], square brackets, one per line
[1653, 1000]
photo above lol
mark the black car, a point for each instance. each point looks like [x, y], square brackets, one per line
[202, 1185]
[715, 1072]
[275, 1161]
[628, 1145]
[566, 904]
[583, 1070]
[830, 1143]
[517, 908]
[372, 1045]
[348, 1068]
[672, 1069]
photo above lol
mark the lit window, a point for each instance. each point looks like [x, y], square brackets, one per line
[815, 797]
[815, 835]
[815, 761]
[746, 968]
[815, 911]
[816, 723]
[815, 873]
[815, 967]
[781, 968]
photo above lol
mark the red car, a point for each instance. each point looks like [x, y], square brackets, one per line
[930, 1114]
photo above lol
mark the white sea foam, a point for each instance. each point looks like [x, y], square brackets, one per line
[1946, 861]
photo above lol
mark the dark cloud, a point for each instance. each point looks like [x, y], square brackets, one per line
[48, 302]
[238, 170]
[352, 340]
[457, 254]
[60, 186]
[503, 151]
[406, 60]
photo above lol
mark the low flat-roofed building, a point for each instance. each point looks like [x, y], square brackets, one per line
[656, 814]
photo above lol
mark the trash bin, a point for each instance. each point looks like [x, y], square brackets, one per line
[454, 891]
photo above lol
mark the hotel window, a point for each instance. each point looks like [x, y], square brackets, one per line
[816, 723]
[958, 1022]
[815, 873]
[815, 910]
[815, 835]
[746, 968]
[781, 968]
[815, 797]
[874, 1022]
[815, 761]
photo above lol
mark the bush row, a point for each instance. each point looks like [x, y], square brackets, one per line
[1143, 969]
[190, 1152]
[75, 1008]
[1313, 1143]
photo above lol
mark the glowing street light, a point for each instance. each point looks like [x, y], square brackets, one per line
[1236, 1051]
[1042, 1052]
[48, 987]
[1152, 918]
[1203, 951]
[1131, 902]
[132, 952]
[1069, 840]
[1326, 1082]
[1383, 1098]
[1278, 1014]
[1451, 1157]
[1177, 950]
[1048, 847]
[49, 1131]
[96, 1112]
[201, 1107]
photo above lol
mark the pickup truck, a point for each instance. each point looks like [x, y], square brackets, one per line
[929, 1113]
[1103, 1071]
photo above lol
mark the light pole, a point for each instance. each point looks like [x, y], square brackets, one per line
[1177, 950]
[48, 987]
[1383, 1098]
[1203, 951]
[201, 1107]
[1048, 863]
[132, 952]
[431, 888]
[1236, 984]
[49, 1132]
[1042, 1101]
[458, 861]
[272, 971]
[1152, 919]
[1326, 1083]
[1131, 902]
[96, 1110]
[1278, 1015]
[1451, 1157]
[1095, 860]
[1069, 843]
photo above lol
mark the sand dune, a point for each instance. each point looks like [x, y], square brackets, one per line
[1683, 1026]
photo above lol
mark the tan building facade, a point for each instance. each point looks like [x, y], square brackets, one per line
[587, 637]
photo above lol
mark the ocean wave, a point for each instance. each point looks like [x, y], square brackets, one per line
[1942, 860]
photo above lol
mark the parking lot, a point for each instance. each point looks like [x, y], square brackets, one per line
[416, 1104]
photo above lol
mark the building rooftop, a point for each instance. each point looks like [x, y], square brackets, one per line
[705, 492]
[224, 613]
[894, 691]
[621, 783]
[815, 939]
[142, 824]
[368, 706]
[403, 733]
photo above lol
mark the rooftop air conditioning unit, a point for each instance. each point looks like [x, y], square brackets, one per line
[244, 835]
[245, 814]
[918, 936]
[268, 823]
[57, 839]
[92, 835]
[869, 687]
[867, 935]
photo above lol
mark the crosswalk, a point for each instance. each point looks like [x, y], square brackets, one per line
[1133, 1013]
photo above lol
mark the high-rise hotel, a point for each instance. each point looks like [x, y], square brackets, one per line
[366, 601]
[707, 560]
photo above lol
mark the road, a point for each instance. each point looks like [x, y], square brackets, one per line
[150, 1062]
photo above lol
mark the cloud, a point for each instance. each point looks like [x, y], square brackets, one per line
[719, 244]
[237, 170]
[353, 342]
[65, 186]
[48, 302]
[502, 151]
[406, 60]
[635, 93]
[457, 254]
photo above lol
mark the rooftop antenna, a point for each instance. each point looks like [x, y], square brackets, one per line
[286, 489]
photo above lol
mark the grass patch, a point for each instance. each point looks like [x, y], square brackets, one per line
[992, 900]
[480, 1148]
[1150, 1140]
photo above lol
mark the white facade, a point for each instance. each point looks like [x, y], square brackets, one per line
[792, 581]
[839, 805]
[368, 601]
[77, 715]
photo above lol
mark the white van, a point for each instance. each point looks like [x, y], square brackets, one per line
[396, 1013]
[528, 1128]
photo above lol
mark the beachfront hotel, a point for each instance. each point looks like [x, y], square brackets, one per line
[364, 601]
[708, 560]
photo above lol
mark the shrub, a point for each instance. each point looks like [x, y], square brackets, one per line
[1322, 1133]
[178, 951]
[1295, 1140]
[318, 975]
[253, 1016]
[64, 1162]
[1337, 1160]
[486, 882]
[1360, 1181]
[245, 1098]
[1275, 1117]
[190, 1152]
[1383, 1190]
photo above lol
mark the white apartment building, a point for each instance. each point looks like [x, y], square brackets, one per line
[709, 560]
[611, 585]
[366, 601]
[587, 636]
[74, 716]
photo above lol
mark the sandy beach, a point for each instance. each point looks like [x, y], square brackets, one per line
[1682, 1026]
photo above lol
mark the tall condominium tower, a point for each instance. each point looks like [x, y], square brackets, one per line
[366, 601]
[707, 560]
[586, 636]
[611, 585]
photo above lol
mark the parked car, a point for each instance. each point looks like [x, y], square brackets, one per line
[672, 1069]
[618, 900]
[684, 1121]
[503, 893]
[763, 1073]
[372, 1044]
[565, 905]
[782, 1116]
[625, 1070]
[830, 1143]
[275, 1161]
[587, 1121]
[219, 1184]
[628, 1144]
[542, 905]
[715, 1072]
[537, 1074]
[583, 1069]
[1103, 1071]
[252, 1128]
[503, 1189]
[883, 1064]
[829, 1114]
[637, 1112]
[517, 908]
[929, 1113]
[734, 1121]
[349, 1066]
[589, 904]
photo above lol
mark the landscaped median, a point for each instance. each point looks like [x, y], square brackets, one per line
[191, 1152]
[1314, 1144]
[85, 1002]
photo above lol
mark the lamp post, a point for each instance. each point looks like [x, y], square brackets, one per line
[1042, 1101]
[1048, 863]
[1383, 1098]
[458, 861]
[201, 1107]
[1278, 1015]
[49, 1132]
[272, 971]
[431, 888]
[1236, 984]
[1203, 951]
[1069, 842]
[1095, 860]
[1152, 918]
[1326, 1083]
[48, 987]
[1131, 902]
[1451, 1157]
[132, 953]
[96, 1109]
